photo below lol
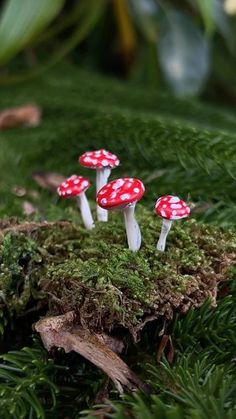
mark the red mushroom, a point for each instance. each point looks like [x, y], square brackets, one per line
[169, 208]
[123, 194]
[75, 186]
[103, 161]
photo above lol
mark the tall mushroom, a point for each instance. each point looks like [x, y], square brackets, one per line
[169, 208]
[123, 194]
[103, 161]
[75, 186]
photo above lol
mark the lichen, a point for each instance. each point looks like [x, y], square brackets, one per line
[65, 267]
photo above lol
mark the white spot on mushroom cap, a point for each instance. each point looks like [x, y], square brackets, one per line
[163, 213]
[103, 201]
[102, 191]
[118, 184]
[84, 184]
[174, 199]
[136, 190]
[105, 162]
[176, 206]
[124, 196]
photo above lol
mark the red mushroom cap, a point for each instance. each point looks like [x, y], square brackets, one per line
[73, 186]
[99, 159]
[120, 192]
[171, 207]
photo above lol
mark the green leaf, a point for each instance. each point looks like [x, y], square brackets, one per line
[21, 22]
[224, 24]
[206, 8]
[145, 13]
[184, 54]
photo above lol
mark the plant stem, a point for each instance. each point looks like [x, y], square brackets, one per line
[102, 176]
[166, 226]
[132, 228]
[85, 211]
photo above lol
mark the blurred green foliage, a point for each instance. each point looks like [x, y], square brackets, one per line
[163, 43]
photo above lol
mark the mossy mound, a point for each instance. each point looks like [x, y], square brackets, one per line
[57, 267]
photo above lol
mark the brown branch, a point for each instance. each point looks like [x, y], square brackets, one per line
[62, 331]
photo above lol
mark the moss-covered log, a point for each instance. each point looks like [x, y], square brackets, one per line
[61, 267]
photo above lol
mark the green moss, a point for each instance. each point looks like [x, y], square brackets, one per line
[17, 252]
[92, 272]
[175, 146]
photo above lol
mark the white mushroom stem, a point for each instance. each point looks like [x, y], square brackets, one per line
[166, 226]
[85, 211]
[101, 180]
[132, 228]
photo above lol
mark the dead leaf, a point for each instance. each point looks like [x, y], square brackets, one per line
[29, 208]
[18, 191]
[166, 345]
[103, 394]
[29, 115]
[48, 180]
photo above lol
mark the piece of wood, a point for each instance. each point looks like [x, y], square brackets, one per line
[62, 331]
[48, 180]
[29, 115]
[166, 344]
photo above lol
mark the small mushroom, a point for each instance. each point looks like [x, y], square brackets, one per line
[123, 194]
[75, 186]
[103, 161]
[169, 208]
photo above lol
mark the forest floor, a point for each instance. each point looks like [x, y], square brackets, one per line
[180, 304]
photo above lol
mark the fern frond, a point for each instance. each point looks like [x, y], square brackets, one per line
[175, 146]
[212, 330]
[202, 388]
[26, 384]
